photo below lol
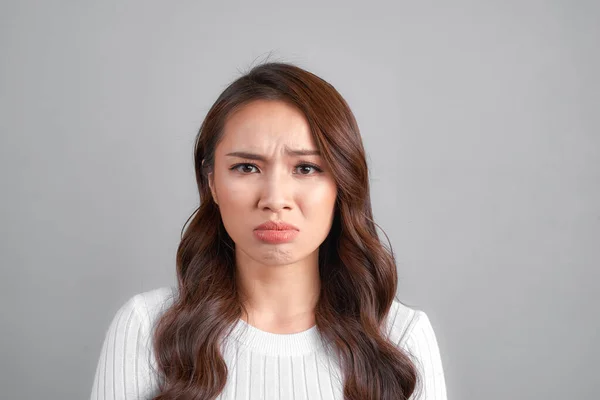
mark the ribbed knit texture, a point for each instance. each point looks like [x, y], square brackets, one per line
[262, 365]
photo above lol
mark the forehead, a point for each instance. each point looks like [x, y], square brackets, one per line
[266, 125]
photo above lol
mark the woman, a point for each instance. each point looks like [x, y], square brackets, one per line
[284, 288]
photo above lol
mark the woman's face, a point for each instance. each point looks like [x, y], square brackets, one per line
[272, 183]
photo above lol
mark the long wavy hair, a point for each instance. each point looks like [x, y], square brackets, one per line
[358, 273]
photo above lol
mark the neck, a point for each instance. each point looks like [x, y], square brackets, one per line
[279, 298]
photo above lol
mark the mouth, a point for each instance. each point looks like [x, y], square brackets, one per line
[276, 226]
[273, 236]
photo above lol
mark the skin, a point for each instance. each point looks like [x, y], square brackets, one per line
[279, 283]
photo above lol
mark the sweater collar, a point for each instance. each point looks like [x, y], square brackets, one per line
[260, 341]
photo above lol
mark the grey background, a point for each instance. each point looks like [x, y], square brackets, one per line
[480, 120]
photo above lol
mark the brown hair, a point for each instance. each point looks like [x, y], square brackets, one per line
[358, 273]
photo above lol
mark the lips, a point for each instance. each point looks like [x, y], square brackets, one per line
[275, 226]
[274, 232]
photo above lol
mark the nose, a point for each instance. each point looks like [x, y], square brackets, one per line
[276, 192]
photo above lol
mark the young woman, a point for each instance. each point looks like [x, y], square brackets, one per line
[284, 288]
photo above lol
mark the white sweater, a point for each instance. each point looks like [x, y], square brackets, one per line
[262, 365]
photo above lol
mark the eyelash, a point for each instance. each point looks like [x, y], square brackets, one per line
[316, 168]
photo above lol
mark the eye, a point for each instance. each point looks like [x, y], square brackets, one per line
[305, 166]
[237, 167]
[243, 168]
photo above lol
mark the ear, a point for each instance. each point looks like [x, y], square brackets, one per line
[211, 185]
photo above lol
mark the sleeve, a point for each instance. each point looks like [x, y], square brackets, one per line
[123, 370]
[422, 345]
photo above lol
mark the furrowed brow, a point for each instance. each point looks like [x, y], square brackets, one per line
[303, 152]
[254, 156]
[244, 154]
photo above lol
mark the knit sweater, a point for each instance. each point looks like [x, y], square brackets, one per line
[261, 365]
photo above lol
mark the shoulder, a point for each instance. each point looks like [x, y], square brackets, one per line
[412, 331]
[399, 321]
[408, 326]
[151, 304]
[142, 309]
[155, 300]
[127, 362]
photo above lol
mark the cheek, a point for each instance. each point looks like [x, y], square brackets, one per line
[234, 199]
[233, 209]
[320, 200]
[233, 193]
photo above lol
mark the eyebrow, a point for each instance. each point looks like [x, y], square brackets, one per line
[254, 156]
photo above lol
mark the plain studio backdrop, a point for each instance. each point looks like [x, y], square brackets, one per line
[480, 119]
